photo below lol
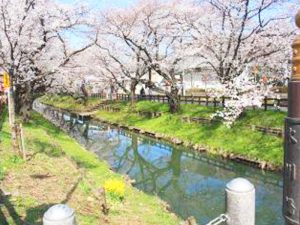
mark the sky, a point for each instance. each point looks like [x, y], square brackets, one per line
[106, 4]
[75, 40]
[103, 4]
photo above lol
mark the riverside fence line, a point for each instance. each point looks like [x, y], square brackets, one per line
[268, 103]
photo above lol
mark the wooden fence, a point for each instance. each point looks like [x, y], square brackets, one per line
[268, 103]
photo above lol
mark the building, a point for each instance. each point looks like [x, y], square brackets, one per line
[200, 78]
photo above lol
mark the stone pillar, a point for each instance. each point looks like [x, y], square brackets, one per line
[59, 215]
[240, 202]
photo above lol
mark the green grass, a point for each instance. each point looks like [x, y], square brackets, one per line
[151, 106]
[70, 103]
[217, 137]
[60, 170]
[259, 117]
[239, 140]
[273, 119]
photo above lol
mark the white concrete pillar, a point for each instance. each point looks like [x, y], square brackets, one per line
[240, 202]
[11, 107]
[59, 215]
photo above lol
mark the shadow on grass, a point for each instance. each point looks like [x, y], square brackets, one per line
[84, 164]
[34, 215]
[5, 203]
[47, 148]
[72, 190]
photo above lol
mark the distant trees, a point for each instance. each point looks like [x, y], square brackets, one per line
[127, 47]
[143, 41]
[231, 38]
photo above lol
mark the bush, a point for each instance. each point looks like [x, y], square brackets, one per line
[115, 188]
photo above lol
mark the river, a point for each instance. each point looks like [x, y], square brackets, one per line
[191, 183]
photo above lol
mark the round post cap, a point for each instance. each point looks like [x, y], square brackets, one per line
[240, 185]
[58, 212]
[297, 19]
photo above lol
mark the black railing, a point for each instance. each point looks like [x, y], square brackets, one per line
[268, 103]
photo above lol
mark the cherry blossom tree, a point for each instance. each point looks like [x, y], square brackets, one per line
[152, 38]
[233, 38]
[34, 46]
[120, 65]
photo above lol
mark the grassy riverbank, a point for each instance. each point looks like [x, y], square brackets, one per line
[68, 102]
[59, 170]
[240, 140]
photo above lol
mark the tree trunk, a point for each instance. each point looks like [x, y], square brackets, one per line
[173, 100]
[132, 94]
[85, 93]
[23, 101]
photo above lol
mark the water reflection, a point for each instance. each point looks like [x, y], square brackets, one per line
[193, 184]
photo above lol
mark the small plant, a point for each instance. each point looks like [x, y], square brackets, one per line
[85, 187]
[15, 159]
[2, 172]
[115, 188]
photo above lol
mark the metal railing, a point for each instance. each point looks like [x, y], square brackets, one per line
[268, 103]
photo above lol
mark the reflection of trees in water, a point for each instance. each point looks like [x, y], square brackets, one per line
[166, 180]
[192, 185]
[153, 177]
[149, 171]
[94, 138]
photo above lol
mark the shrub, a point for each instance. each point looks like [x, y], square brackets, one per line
[115, 188]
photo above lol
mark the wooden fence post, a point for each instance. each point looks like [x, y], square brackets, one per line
[266, 103]
[23, 142]
[215, 102]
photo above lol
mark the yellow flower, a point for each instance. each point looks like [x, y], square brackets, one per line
[115, 187]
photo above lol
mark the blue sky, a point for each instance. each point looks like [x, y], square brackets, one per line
[96, 5]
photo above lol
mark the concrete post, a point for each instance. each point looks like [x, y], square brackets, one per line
[240, 202]
[11, 107]
[59, 215]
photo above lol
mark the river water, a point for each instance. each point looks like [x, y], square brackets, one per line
[193, 184]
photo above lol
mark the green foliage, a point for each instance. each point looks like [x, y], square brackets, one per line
[15, 159]
[151, 106]
[196, 110]
[270, 118]
[77, 172]
[71, 103]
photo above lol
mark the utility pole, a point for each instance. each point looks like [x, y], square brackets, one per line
[291, 175]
